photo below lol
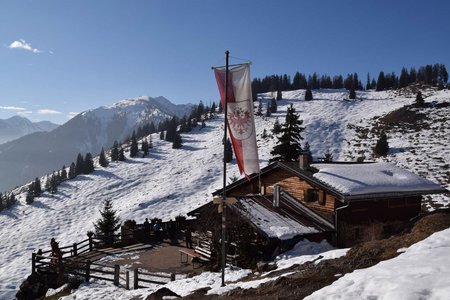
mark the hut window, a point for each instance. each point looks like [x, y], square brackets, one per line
[312, 195]
[322, 198]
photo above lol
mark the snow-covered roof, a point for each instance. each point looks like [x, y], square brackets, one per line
[372, 178]
[272, 223]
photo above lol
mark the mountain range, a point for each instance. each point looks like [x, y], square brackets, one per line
[36, 154]
[17, 126]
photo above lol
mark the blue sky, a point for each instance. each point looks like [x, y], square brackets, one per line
[62, 57]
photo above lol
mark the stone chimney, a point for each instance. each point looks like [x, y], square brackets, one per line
[303, 161]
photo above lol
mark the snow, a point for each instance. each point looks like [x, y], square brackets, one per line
[273, 224]
[172, 182]
[380, 177]
[421, 272]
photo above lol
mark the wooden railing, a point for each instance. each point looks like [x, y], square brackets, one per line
[43, 261]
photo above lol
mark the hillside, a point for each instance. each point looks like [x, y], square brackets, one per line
[171, 182]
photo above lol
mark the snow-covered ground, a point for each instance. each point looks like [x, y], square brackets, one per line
[171, 182]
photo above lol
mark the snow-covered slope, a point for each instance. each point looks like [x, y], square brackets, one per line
[86, 132]
[16, 127]
[170, 182]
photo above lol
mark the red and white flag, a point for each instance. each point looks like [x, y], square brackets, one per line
[241, 121]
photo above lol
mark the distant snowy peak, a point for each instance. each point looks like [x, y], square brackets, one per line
[17, 126]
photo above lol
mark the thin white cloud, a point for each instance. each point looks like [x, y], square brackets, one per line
[47, 111]
[12, 108]
[25, 113]
[22, 44]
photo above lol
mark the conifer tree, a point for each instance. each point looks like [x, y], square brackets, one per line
[259, 111]
[150, 142]
[382, 146]
[352, 94]
[276, 127]
[264, 134]
[88, 166]
[268, 112]
[273, 106]
[220, 110]
[279, 95]
[10, 200]
[381, 84]
[53, 183]
[177, 143]
[37, 190]
[121, 154]
[72, 173]
[79, 167]
[29, 197]
[102, 159]
[288, 147]
[213, 108]
[134, 149]
[419, 99]
[115, 151]
[327, 156]
[228, 155]
[108, 224]
[144, 147]
[63, 173]
[2, 203]
[308, 95]
[161, 135]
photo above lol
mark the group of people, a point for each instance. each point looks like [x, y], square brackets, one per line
[156, 228]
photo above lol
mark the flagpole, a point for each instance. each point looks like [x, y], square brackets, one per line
[224, 194]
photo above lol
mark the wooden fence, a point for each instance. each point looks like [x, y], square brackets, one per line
[74, 263]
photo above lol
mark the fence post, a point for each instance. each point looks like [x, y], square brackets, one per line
[88, 270]
[127, 279]
[172, 277]
[90, 241]
[75, 249]
[33, 263]
[136, 279]
[116, 275]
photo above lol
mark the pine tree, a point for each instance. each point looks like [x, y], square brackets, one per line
[352, 94]
[10, 200]
[37, 190]
[288, 147]
[161, 136]
[108, 224]
[273, 106]
[102, 159]
[259, 111]
[121, 154]
[264, 134]
[29, 197]
[276, 127]
[381, 84]
[279, 95]
[213, 108]
[419, 99]
[63, 173]
[72, 173]
[228, 155]
[115, 151]
[134, 149]
[150, 142]
[327, 156]
[220, 110]
[177, 143]
[308, 95]
[88, 166]
[268, 112]
[53, 183]
[79, 167]
[382, 146]
[144, 147]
